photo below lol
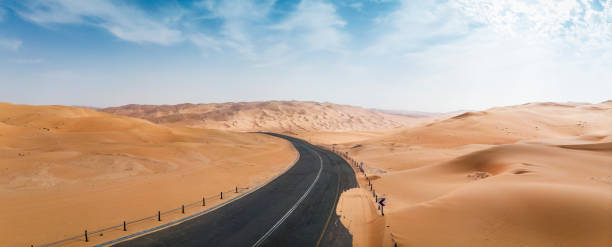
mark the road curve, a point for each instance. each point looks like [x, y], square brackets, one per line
[298, 208]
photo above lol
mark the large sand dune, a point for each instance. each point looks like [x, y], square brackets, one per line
[65, 169]
[443, 139]
[510, 195]
[269, 115]
[537, 174]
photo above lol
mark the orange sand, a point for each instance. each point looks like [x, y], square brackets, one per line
[537, 174]
[267, 116]
[65, 169]
[359, 215]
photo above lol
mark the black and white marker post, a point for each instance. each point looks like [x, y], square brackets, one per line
[382, 202]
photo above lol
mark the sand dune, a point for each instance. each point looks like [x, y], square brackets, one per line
[538, 174]
[66, 169]
[443, 139]
[510, 195]
[269, 116]
[509, 124]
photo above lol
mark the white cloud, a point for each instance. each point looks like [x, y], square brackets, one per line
[10, 44]
[585, 24]
[205, 42]
[123, 21]
[356, 5]
[317, 25]
[207, 4]
[238, 10]
[247, 30]
[245, 25]
[416, 25]
[240, 19]
[475, 53]
[484, 70]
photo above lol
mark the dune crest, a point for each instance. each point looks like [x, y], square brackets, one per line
[267, 116]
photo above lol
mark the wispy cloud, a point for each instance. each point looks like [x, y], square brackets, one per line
[246, 27]
[357, 5]
[124, 21]
[248, 30]
[417, 25]
[240, 20]
[10, 44]
[206, 42]
[317, 25]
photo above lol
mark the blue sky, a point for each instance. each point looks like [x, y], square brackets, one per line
[394, 54]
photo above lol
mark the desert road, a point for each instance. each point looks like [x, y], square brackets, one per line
[298, 208]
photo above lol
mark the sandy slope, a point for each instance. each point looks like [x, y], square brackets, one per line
[537, 174]
[531, 175]
[268, 115]
[443, 139]
[511, 195]
[65, 169]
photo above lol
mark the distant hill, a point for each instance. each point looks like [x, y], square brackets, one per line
[415, 114]
[267, 116]
[509, 124]
[422, 114]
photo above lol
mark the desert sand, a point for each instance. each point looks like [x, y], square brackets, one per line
[538, 174]
[277, 116]
[66, 169]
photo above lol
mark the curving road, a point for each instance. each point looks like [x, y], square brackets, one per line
[298, 208]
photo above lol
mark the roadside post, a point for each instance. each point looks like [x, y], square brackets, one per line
[382, 202]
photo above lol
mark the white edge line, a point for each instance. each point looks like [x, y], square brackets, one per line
[124, 238]
[281, 220]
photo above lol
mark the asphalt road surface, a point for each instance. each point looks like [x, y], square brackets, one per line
[296, 209]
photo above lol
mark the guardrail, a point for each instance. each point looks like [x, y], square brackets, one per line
[85, 236]
[359, 166]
